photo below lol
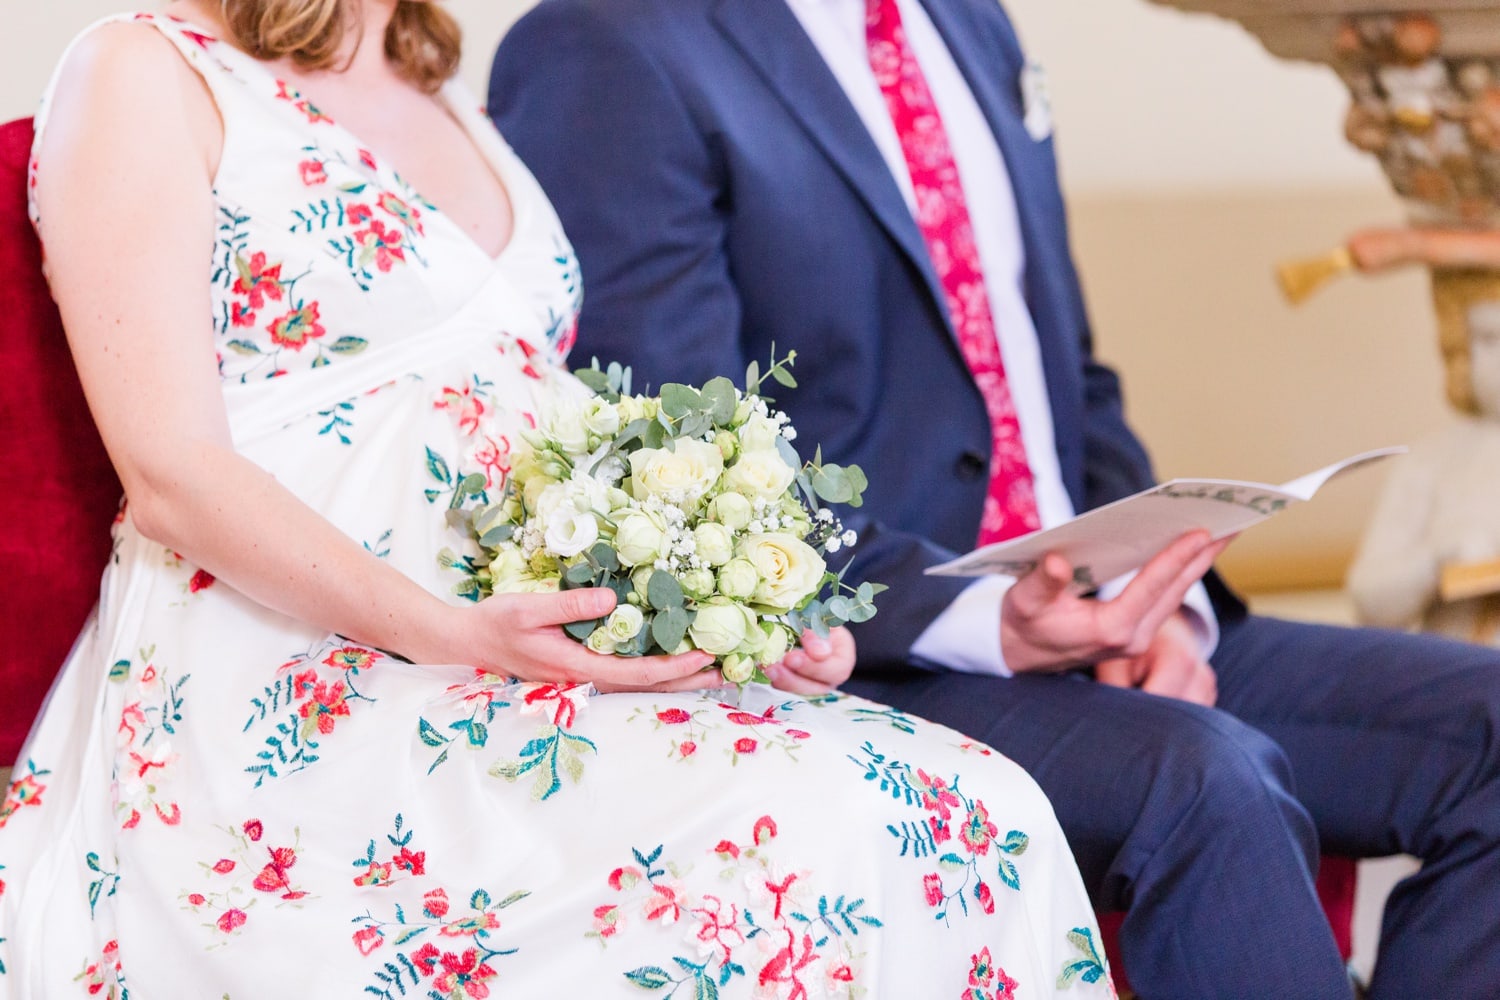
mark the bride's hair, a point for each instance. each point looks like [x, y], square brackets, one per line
[422, 41]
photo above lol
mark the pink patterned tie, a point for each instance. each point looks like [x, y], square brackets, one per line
[943, 216]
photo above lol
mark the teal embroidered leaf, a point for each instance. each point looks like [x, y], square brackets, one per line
[649, 977]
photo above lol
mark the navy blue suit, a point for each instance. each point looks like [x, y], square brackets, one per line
[723, 195]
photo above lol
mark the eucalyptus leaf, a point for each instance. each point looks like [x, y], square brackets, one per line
[719, 395]
[784, 377]
[669, 626]
[596, 380]
[604, 557]
[582, 630]
[580, 574]
[663, 591]
[678, 400]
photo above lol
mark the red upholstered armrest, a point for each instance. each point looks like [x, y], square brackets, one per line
[58, 493]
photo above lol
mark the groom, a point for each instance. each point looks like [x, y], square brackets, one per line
[872, 184]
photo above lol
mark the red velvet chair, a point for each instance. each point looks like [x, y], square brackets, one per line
[59, 494]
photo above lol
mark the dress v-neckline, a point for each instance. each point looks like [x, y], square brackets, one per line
[461, 116]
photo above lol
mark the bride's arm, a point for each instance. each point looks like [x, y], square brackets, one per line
[125, 198]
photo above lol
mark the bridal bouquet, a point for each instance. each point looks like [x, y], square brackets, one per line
[691, 505]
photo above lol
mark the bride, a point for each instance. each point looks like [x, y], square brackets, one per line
[309, 290]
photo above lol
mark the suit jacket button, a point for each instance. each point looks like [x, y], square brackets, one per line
[970, 465]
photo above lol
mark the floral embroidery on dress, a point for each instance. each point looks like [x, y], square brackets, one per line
[750, 733]
[555, 749]
[987, 981]
[455, 966]
[304, 703]
[961, 849]
[104, 977]
[224, 899]
[479, 702]
[145, 758]
[1090, 968]
[25, 790]
[766, 926]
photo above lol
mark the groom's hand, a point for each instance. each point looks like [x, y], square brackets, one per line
[1044, 626]
[1172, 666]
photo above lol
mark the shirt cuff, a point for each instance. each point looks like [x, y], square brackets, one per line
[966, 636]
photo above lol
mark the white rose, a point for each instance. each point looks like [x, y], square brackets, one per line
[686, 473]
[624, 623]
[731, 510]
[714, 543]
[697, 583]
[564, 426]
[721, 628]
[759, 434]
[760, 474]
[507, 568]
[738, 579]
[788, 567]
[737, 669]
[778, 641]
[600, 417]
[638, 539]
[599, 641]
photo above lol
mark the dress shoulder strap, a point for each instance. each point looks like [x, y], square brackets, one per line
[197, 47]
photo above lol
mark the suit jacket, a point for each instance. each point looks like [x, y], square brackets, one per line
[724, 197]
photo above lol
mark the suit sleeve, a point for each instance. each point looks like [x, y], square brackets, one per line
[635, 185]
[643, 199]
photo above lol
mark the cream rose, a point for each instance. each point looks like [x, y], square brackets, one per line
[684, 474]
[738, 579]
[759, 434]
[731, 510]
[760, 474]
[789, 569]
[778, 641]
[714, 543]
[600, 417]
[638, 539]
[697, 583]
[624, 623]
[599, 641]
[720, 629]
[737, 668]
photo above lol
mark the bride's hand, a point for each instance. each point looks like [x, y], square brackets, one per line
[819, 666]
[520, 635]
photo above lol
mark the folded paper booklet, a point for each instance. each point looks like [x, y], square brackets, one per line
[1114, 539]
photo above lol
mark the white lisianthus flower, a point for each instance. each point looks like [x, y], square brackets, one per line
[689, 470]
[778, 641]
[624, 623]
[759, 434]
[600, 417]
[737, 668]
[714, 543]
[720, 628]
[738, 579]
[732, 510]
[639, 538]
[789, 569]
[762, 474]
[572, 533]
[599, 641]
[618, 499]
[585, 492]
[697, 583]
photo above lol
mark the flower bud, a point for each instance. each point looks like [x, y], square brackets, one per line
[738, 579]
[715, 543]
[731, 510]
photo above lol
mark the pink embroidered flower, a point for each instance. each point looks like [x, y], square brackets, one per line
[196, 899]
[350, 658]
[464, 975]
[674, 716]
[560, 702]
[466, 407]
[272, 878]
[622, 879]
[326, 704]
[232, 920]
[687, 748]
[380, 244]
[240, 315]
[224, 866]
[297, 327]
[799, 734]
[764, 831]
[745, 745]
[367, 939]
[607, 920]
[664, 904]
[201, 580]
[435, 904]
[977, 831]
[411, 861]
[985, 897]
[312, 172]
[492, 455]
[727, 848]
[410, 217]
[358, 213]
[253, 829]
[377, 874]
[256, 280]
[932, 886]
[936, 795]
[469, 926]
[367, 158]
[426, 958]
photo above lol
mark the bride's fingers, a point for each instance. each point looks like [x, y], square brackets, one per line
[701, 680]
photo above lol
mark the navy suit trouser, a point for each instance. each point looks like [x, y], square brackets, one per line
[1206, 824]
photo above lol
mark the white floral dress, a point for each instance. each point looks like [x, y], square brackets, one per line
[221, 801]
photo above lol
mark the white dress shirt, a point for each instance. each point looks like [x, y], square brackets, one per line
[966, 636]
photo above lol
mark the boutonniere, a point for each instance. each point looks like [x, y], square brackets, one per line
[1036, 102]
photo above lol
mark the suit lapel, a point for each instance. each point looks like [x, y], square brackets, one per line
[771, 38]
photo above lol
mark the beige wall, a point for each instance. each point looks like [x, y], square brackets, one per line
[1193, 161]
